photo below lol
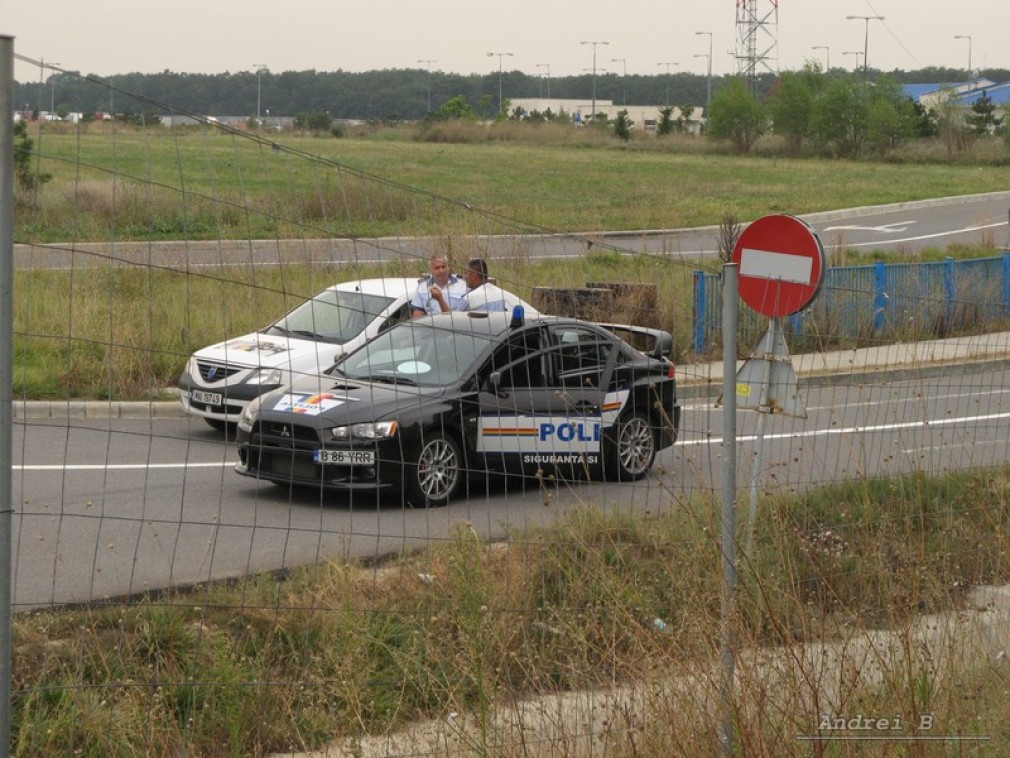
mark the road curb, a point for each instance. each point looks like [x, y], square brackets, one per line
[96, 409]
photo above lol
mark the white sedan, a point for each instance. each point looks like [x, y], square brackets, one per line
[220, 380]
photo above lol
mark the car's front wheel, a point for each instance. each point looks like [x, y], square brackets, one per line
[434, 471]
[632, 450]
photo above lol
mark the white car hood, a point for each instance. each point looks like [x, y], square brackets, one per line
[258, 349]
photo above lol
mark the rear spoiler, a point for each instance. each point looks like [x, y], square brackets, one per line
[653, 342]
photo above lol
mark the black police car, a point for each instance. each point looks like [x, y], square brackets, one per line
[431, 401]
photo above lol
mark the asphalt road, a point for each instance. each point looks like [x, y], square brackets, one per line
[119, 506]
[913, 226]
[113, 507]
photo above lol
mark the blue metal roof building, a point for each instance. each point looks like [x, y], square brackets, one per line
[965, 93]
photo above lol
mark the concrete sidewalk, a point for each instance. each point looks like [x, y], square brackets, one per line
[893, 361]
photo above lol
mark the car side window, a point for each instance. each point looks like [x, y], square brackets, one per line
[402, 314]
[580, 356]
[520, 362]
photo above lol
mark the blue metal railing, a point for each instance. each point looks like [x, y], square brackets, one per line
[878, 301]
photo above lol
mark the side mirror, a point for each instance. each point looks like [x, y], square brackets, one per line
[494, 382]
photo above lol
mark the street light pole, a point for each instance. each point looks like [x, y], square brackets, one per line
[500, 56]
[668, 64]
[708, 96]
[967, 37]
[259, 91]
[708, 85]
[866, 37]
[827, 56]
[548, 67]
[429, 62]
[624, 79]
[52, 88]
[855, 53]
[594, 43]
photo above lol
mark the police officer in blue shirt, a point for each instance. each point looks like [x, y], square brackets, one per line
[439, 290]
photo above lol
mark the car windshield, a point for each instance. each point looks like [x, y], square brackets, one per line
[414, 353]
[332, 316]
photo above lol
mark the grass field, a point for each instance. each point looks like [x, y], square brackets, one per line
[165, 184]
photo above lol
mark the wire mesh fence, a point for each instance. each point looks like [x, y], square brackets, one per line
[566, 605]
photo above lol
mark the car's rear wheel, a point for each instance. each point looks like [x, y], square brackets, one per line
[435, 471]
[632, 450]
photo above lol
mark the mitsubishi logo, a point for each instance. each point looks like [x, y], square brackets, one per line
[284, 432]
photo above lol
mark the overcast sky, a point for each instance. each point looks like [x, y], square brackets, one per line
[107, 37]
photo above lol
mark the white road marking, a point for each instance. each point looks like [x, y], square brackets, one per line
[926, 236]
[710, 406]
[947, 448]
[853, 429]
[115, 466]
[897, 226]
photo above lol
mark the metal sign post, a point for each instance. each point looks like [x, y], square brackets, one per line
[767, 384]
[782, 267]
[727, 541]
[6, 378]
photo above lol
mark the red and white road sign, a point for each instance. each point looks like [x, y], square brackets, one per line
[781, 262]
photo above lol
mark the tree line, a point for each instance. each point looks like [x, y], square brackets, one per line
[845, 116]
[388, 94]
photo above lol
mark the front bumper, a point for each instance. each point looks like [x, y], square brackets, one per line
[284, 454]
[223, 403]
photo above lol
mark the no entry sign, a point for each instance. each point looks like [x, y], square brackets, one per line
[781, 262]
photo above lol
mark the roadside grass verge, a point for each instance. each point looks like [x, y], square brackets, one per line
[591, 603]
[125, 333]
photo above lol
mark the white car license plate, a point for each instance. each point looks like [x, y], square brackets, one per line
[345, 457]
[207, 398]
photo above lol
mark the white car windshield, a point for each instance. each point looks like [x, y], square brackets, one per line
[332, 316]
[418, 354]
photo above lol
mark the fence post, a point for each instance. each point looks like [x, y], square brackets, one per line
[728, 537]
[879, 295]
[948, 293]
[6, 377]
[1005, 281]
[698, 316]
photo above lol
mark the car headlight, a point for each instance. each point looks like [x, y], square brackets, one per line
[249, 413]
[267, 376]
[373, 430]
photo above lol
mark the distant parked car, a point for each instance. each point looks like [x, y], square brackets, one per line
[220, 380]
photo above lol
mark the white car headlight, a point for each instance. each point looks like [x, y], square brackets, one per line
[373, 430]
[267, 376]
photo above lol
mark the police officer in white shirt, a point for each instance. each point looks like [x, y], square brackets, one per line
[439, 286]
[482, 295]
